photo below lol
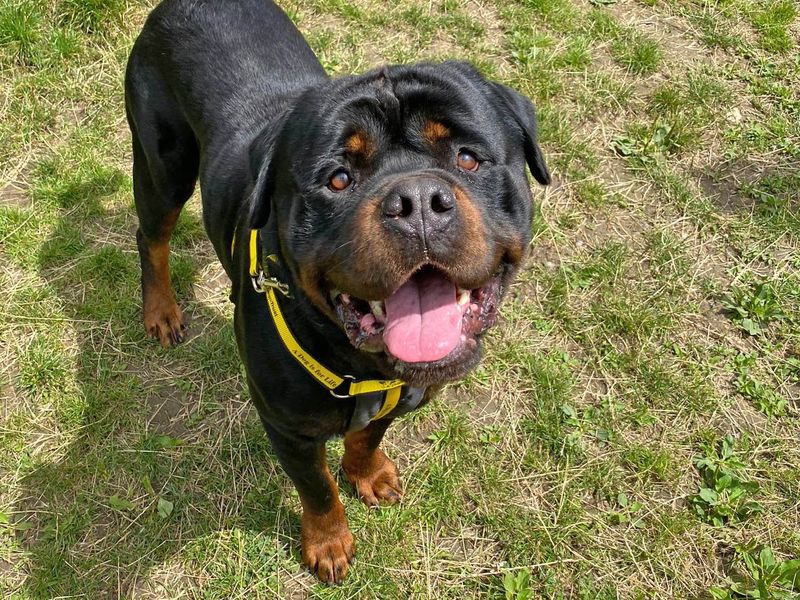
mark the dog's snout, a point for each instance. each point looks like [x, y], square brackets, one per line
[420, 205]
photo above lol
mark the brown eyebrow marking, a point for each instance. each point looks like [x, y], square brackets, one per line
[361, 144]
[433, 131]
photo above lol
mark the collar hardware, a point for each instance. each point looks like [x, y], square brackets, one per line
[261, 282]
[342, 390]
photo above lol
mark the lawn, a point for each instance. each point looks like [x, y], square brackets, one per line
[633, 431]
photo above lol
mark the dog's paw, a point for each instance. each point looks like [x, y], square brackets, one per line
[374, 479]
[163, 320]
[326, 544]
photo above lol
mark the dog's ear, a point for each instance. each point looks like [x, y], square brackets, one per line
[262, 174]
[522, 111]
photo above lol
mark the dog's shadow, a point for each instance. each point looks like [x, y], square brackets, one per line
[162, 451]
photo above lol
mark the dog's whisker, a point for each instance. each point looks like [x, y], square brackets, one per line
[339, 247]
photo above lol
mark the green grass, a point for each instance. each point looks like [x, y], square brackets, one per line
[632, 431]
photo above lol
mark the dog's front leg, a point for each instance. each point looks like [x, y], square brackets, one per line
[325, 540]
[368, 469]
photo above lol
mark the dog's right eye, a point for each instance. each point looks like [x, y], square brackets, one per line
[467, 160]
[339, 181]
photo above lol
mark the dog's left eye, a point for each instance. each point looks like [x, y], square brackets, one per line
[466, 160]
[340, 181]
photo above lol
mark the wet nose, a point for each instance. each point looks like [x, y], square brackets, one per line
[422, 205]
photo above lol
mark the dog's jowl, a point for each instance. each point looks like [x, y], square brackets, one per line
[370, 226]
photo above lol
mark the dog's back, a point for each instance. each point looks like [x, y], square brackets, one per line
[222, 63]
[204, 78]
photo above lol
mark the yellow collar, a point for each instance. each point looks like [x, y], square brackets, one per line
[339, 386]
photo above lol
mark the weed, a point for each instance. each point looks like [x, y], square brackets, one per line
[775, 201]
[491, 435]
[754, 306]
[647, 144]
[766, 399]
[626, 512]
[725, 494]
[583, 424]
[517, 586]
[765, 577]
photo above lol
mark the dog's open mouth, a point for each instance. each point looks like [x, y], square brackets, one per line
[425, 320]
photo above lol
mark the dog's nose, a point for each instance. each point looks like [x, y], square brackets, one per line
[422, 205]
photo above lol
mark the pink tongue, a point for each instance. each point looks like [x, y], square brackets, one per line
[423, 320]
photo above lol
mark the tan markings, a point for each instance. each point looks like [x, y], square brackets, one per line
[369, 470]
[372, 262]
[474, 227]
[360, 143]
[369, 230]
[163, 318]
[368, 255]
[433, 131]
[326, 543]
[159, 259]
[516, 250]
[308, 282]
[373, 249]
[168, 226]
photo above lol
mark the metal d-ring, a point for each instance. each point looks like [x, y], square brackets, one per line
[346, 379]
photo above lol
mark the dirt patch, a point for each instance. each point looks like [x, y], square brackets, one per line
[169, 410]
[489, 18]
[483, 405]
[9, 373]
[170, 580]
[673, 33]
[14, 195]
[212, 285]
[74, 115]
[740, 417]
[723, 187]
[472, 548]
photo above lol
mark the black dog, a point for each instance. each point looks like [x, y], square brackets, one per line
[369, 225]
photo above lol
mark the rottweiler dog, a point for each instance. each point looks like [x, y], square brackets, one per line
[369, 224]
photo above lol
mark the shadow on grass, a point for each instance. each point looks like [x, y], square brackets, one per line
[164, 453]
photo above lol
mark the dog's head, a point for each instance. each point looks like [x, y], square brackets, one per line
[403, 208]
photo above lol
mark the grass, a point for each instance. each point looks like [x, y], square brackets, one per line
[632, 432]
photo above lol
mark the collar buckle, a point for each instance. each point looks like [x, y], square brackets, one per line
[261, 283]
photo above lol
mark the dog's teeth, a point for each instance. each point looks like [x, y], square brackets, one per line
[345, 298]
[463, 297]
[377, 309]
